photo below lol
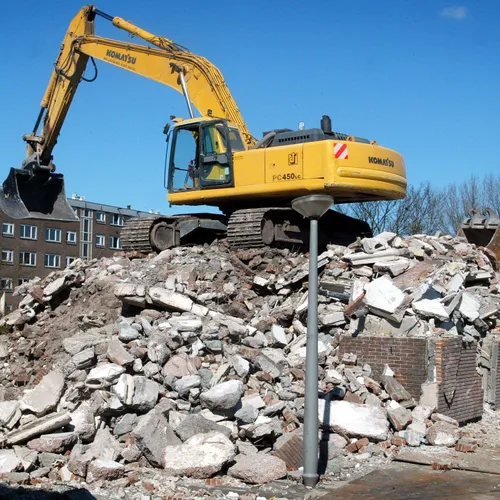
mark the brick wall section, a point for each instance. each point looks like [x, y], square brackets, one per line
[495, 375]
[460, 393]
[407, 357]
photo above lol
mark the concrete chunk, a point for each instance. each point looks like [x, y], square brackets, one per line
[355, 420]
[118, 354]
[170, 300]
[9, 462]
[431, 308]
[53, 443]
[382, 297]
[104, 470]
[44, 396]
[38, 427]
[196, 424]
[199, 457]
[145, 394]
[153, 435]
[8, 410]
[469, 306]
[223, 396]
[258, 468]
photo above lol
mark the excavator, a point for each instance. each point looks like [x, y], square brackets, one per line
[213, 159]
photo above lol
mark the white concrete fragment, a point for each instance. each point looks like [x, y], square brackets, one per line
[170, 300]
[55, 287]
[355, 420]
[382, 296]
[9, 461]
[8, 410]
[200, 456]
[432, 308]
[45, 395]
[469, 306]
[104, 374]
[279, 335]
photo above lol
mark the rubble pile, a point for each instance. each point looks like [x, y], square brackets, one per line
[192, 361]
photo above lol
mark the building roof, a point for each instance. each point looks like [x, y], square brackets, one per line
[99, 207]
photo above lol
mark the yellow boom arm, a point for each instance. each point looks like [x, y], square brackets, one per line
[166, 62]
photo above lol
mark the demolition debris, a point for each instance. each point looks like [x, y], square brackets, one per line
[192, 361]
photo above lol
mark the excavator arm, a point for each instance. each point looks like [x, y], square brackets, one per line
[163, 60]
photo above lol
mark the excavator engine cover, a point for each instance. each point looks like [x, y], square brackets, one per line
[25, 195]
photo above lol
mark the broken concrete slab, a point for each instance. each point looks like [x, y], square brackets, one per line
[153, 435]
[40, 426]
[224, 396]
[258, 468]
[45, 395]
[355, 420]
[201, 456]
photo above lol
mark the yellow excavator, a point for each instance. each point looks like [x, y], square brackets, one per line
[213, 159]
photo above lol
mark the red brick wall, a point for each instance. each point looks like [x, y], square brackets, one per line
[407, 357]
[460, 389]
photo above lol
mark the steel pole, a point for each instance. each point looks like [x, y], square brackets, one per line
[310, 472]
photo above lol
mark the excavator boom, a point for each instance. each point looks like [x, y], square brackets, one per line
[34, 190]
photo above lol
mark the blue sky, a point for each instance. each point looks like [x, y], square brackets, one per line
[420, 77]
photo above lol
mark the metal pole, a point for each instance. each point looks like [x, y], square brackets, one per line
[186, 93]
[310, 472]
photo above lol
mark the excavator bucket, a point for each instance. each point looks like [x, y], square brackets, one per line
[25, 195]
[482, 229]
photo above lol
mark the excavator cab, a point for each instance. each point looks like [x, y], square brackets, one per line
[201, 155]
[35, 194]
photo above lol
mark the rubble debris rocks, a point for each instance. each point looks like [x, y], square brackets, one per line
[192, 361]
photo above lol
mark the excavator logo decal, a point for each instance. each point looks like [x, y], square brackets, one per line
[340, 151]
[293, 158]
[121, 57]
[386, 162]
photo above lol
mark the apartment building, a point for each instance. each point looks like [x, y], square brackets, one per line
[35, 247]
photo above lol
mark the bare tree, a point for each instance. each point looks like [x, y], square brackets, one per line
[420, 212]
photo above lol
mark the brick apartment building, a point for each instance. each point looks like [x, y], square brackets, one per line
[35, 247]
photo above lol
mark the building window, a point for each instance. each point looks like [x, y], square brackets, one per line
[100, 240]
[53, 235]
[71, 237]
[7, 256]
[100, 217]
[6, 284]
[27, 258]
[85, 251]
[8, 229]
[115, 243]
[116, 220]
[28, 232]
[70, 260]
[87, 213]
[52, 260]
[21, 281]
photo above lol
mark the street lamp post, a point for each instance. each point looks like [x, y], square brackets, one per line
[312, 207]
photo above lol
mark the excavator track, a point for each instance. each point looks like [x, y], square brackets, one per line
[155, 234]
[283, 227]
[244, 229]
[260, 227]
[134, 235]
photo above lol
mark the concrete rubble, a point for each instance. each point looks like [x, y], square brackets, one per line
[192, 361]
